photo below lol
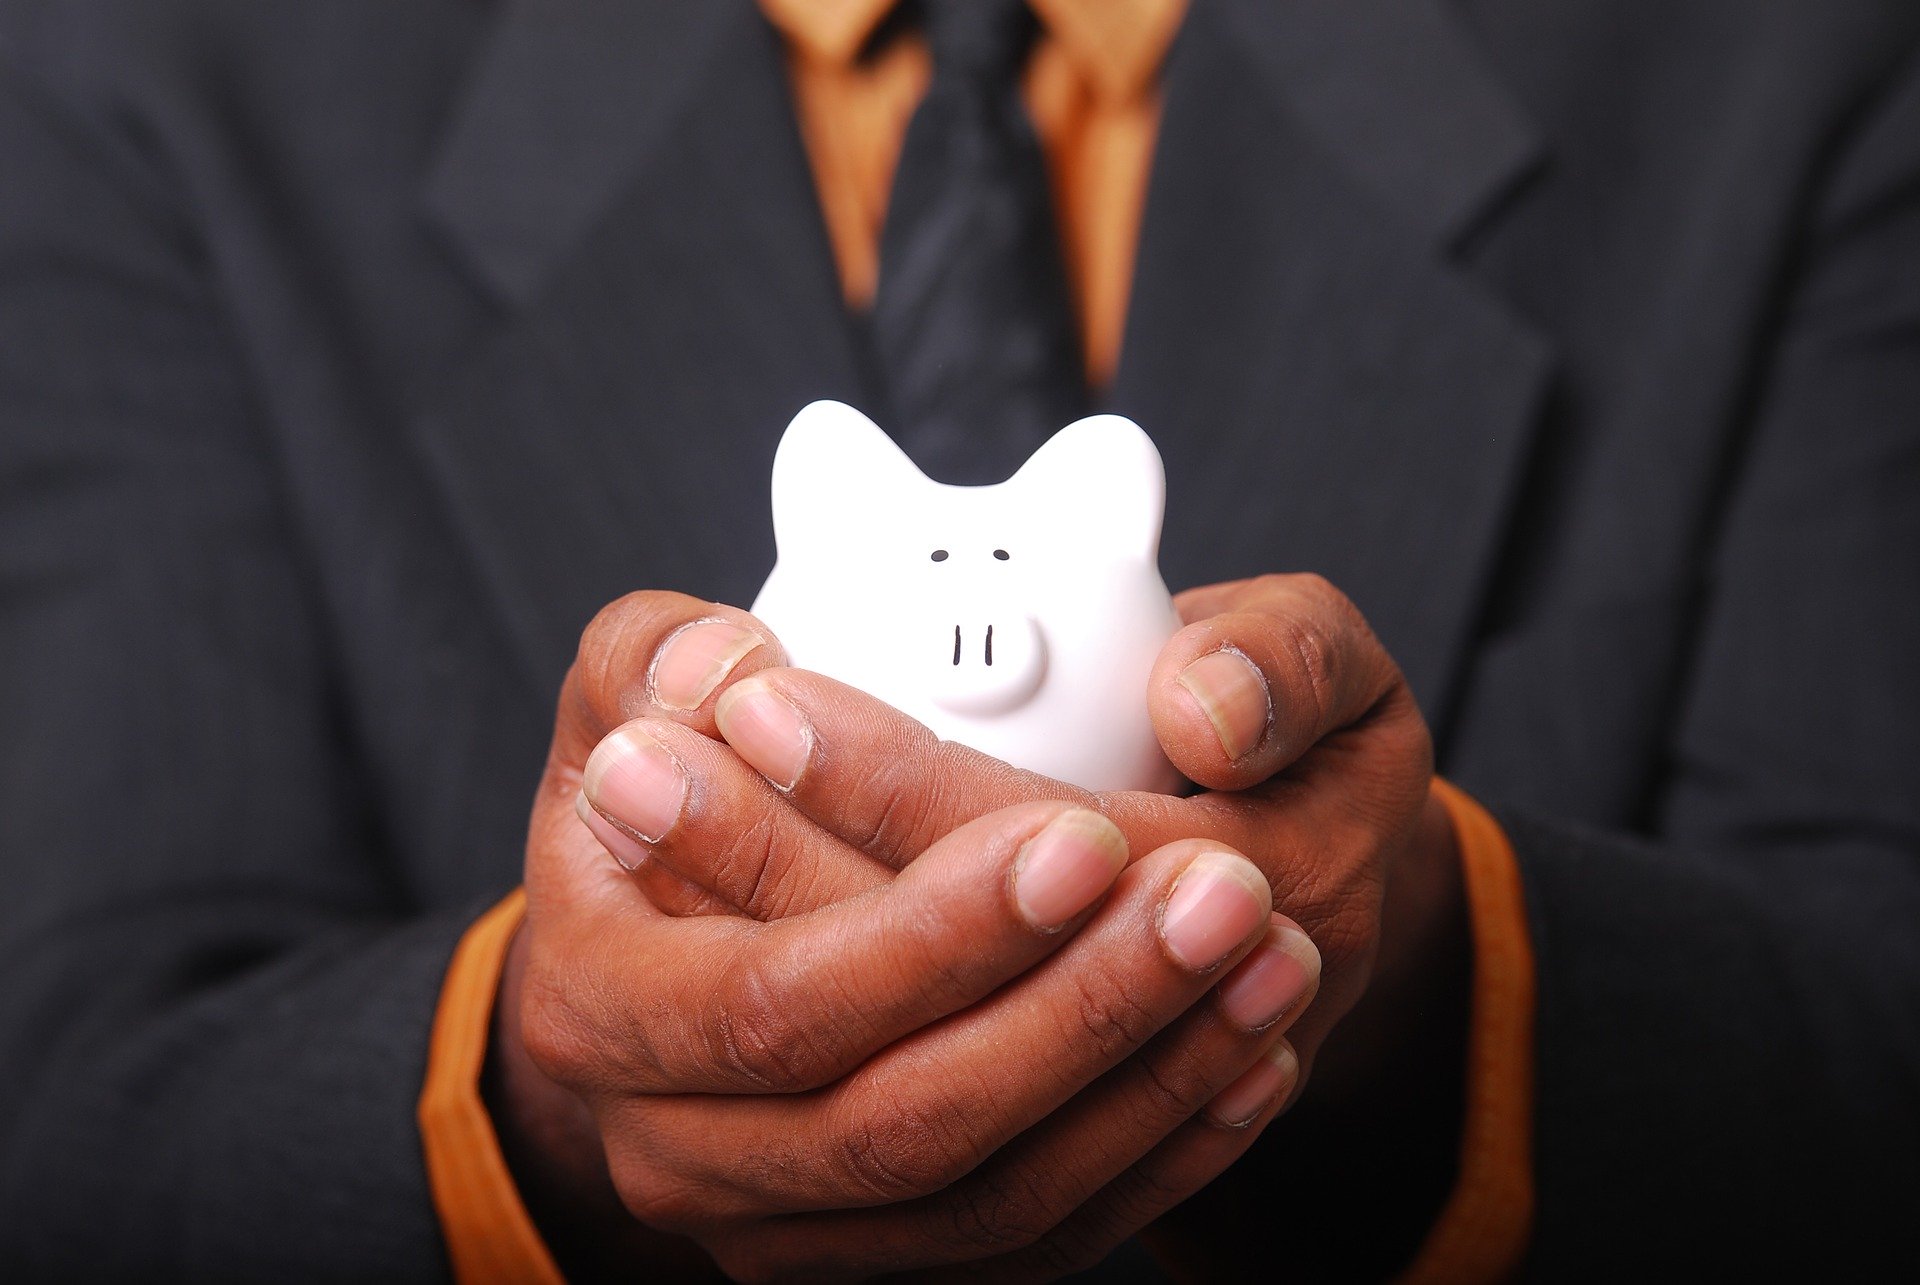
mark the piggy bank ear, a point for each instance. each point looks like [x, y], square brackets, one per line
[1103, 484]
[834, 476]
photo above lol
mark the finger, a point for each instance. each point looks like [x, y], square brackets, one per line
[1240, 694]
[667, 793]
[1357, 789]
[1225, 1061]
[884, 783]
[665, 887]
[1190, 1157]
[887, 785]
[1317, 832]
[656, 653]
[628, 1000]
[863, 770]
[931, 1108]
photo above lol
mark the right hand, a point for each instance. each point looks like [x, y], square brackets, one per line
[995, 1054]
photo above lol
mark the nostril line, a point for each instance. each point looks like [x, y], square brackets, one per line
[989, 646]
[956, 644]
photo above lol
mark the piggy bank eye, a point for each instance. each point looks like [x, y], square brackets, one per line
[1001, 554]
[939, 555]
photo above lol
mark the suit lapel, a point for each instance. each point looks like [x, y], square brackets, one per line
[1330, 392]
[567, 101]
[626, 178]
[1394, 92]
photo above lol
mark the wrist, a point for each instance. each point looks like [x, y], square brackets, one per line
[1412, 1020]
[1426, 928]
[553, 1149]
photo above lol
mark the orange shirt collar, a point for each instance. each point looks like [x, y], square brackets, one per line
[1116, 44]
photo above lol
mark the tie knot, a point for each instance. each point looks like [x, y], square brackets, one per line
[978, 39]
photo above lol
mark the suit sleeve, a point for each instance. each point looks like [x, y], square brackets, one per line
[216, 998]
[1729, 1012]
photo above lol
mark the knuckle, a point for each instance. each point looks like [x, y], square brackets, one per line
[800, 887]
[1176, 1081]
[1315, 662]
[761, 1037]
[998, 1215]
[1145, 1192]
[901, 797]
[923, 943]
[746, 860]
[1324, 597]
[1112, 1016]
[1324, 648]
[1316, 586]
[1130, 1202]
[900, 1147]
[892, 1162]
[1273, 584]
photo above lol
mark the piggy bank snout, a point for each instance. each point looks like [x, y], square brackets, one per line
[983, 661]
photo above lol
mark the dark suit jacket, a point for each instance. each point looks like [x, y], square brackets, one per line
[351, 353]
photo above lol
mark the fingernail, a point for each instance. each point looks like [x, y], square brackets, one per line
[1240, 1103]
[1269, 982]
[696, 659]
[1066, 867]
[766, 730]
[1233, 694]
[623, 847]
[633, 782]
[1218, 901]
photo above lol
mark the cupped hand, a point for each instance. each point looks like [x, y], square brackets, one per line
[995, 1054]
[1276, 696]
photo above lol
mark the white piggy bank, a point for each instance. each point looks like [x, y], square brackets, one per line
[1021, 619]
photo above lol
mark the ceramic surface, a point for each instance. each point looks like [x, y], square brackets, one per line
[1021, 619]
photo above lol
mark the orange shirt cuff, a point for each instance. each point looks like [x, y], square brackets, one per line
[489, 1236]
[1482, 1231]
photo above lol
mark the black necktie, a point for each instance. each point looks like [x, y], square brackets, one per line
[971, 322]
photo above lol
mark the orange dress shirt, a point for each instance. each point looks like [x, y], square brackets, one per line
[1091, 88]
